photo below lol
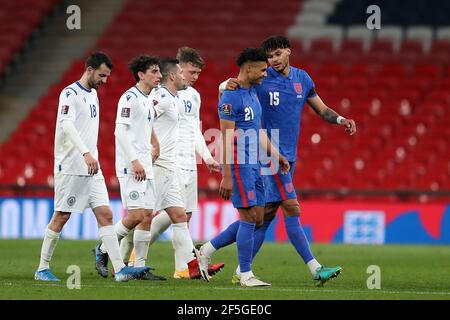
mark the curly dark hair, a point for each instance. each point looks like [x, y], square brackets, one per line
[251, 54]
[142, 63]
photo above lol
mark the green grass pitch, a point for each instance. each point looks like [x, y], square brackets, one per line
[407, 272]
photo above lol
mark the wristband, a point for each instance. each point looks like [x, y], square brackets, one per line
[340, 119]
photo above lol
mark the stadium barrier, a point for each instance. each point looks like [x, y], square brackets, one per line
[325, 222]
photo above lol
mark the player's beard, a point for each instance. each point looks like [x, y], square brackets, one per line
[92, 84]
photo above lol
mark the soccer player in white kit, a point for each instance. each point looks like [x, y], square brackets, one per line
[136, 148]
[190, 141]
[79, 182]
[168, 193]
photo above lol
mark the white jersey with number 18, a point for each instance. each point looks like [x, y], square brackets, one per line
[81, 106]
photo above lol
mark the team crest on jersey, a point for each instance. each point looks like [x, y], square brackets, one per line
[226, 108]
[298, 87]
[134, 195]
[71, 201]
[289, 187]
[126, 112]
[251, 195]
[64, 109]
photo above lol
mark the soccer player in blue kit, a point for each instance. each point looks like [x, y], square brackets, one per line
[282, 95]
[240, 123]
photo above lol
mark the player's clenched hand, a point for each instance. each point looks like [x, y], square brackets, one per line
[284, 165]
[226, 185]
[138, 169]
[91, 163]
[232, 84]
[350, 126]
[213, 165]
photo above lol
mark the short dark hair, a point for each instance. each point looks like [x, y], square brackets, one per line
[275, 42]
[251, 54]
[96, 59]
[186, 55]
[167, 66]
[142, 63]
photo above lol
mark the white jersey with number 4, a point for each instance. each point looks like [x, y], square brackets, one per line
[135, 110]
[166, 124]
[189, 127]
[81, 106]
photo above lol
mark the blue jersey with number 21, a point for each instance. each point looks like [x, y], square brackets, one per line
[242, 106]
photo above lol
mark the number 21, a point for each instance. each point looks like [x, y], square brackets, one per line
[249, 114]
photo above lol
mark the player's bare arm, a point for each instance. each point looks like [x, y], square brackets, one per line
[226, 185]
[265, 143]
[331, 116]
[155, 144]
[230, 84]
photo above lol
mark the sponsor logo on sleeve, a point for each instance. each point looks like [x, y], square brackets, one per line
[64, 109]
[125, 112]
[226, 108]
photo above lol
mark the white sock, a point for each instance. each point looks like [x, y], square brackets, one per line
[48, 246]
[238, 270]
[141, 242]
[183, 246]
[313, 265]
[179, 258]
[160, 223]
[126, 246]
[246, 275]
[109, 239]
[208, 249]
[121, 232]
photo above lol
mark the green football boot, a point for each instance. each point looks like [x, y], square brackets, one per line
[323, 274]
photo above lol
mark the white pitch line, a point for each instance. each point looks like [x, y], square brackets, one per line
[246, 289]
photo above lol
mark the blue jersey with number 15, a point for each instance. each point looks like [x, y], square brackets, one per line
[242, 106]
[282, 99]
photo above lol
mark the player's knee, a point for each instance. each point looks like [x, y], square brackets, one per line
[270, 211]
[60, 218]
[291, 207]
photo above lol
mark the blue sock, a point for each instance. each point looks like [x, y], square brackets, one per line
[244, 241]
[260, 235]
[226, 237]
[298, 238]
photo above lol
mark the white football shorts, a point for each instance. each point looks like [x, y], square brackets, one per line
[167, 192]
[76, 193]
[137, 194]
[189, 189]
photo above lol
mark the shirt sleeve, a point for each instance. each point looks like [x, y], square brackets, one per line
[311, 86]
[230, 106]
[125, 108]
[161, 103]
[67, 104]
